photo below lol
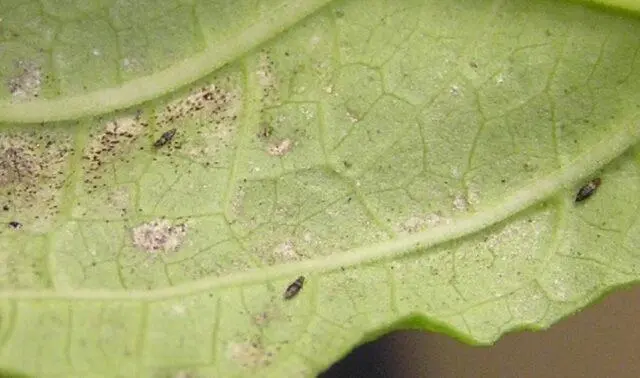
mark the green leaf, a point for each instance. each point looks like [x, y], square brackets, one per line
[416, 161]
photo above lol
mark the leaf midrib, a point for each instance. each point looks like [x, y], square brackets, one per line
[628, 134]
[140, 90]
[146, 88]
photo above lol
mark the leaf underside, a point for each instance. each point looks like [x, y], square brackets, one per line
[416, 161]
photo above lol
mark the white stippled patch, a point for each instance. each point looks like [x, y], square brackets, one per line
[281, 148]
[159, 236]
[26, 84]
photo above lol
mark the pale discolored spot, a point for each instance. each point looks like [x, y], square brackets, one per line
[265, 71]
[18, 162]
[210, 102]
[32, 174]
[27, 83]
[286, 250]
[249, 354]
[421, 223]
[281, 148]
[413, 224]
[112, 139]
[460, 202]
[159, 236]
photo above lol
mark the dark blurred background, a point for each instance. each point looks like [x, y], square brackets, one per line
[601, 341]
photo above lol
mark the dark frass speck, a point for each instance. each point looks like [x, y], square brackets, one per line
[588, 190]
[294, 288]
[165, 138]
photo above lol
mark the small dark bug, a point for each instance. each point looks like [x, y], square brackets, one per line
[294, 288]
[165, 138]
[588, 190]
[266, 130]
[15, 225]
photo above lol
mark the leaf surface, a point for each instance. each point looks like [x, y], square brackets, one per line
[416, 161]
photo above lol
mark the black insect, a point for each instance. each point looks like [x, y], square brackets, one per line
[588, 190]
[266, 130]
[294, 288]
[165, 138]
[15, 225]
